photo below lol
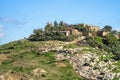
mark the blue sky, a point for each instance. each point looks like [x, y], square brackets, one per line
[18, 18]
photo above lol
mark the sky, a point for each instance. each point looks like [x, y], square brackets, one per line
[18, 18]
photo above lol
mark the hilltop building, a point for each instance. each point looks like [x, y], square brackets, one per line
[70, 31]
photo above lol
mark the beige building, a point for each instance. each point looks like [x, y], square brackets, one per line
[102, 33]
[94, 28]
[67, 33]
[91, 27]
[70, 31]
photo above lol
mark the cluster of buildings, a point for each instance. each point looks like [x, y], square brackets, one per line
[73, 31]
[95, 30]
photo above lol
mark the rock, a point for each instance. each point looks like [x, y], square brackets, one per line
[11, 75]
[2, 77]
[88, 66]
[60, 64]
[61, 57]
[39, 72]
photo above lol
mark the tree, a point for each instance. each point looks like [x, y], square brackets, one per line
[107, 28]
[79, 27]
[38, 35]
[48, 27]
[38, 31]
[114, 32]
[55, 24]
[86, 31]
[62, 25]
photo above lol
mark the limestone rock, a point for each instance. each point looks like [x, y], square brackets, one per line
[89, 67]
[39, 72]
[11, 75]
[61, 57]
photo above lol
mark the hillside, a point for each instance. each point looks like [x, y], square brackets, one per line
[25, 60]
[66, 52]
[55, 60]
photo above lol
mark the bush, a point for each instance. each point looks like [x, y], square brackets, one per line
[98, 39]
[49, 56]
[7, 62]
[95, 41]
[117, 53]
[110, 40]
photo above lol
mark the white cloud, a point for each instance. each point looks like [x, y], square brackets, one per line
[12, 21]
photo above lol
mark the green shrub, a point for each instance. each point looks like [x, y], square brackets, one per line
[49, 56]
[117, 53]
[7, 62]
[71, 46]
[110, 40]
[18, 69]
[94, 41]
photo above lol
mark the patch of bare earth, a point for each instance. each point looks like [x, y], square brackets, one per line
[60, 64]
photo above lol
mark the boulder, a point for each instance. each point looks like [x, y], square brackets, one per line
[61, 57]
[39, 72]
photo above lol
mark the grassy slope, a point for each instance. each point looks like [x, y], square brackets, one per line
[23, 56]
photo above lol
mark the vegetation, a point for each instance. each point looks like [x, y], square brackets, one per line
[27, 57]
[94, 41]
[30, 53]
[110, 40]
[107, 28]
[71, 46]
[52, 32]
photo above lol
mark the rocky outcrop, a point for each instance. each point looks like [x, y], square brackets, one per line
[87, 64]
[89, 67]
[11, 75]
[39, 72]
[61, 57]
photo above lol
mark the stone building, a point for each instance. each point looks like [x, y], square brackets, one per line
[102, 33]
[66, 33]
[70, 31]
[91, 27]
